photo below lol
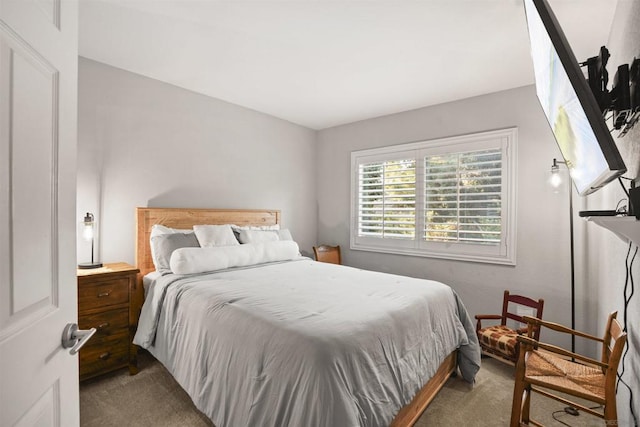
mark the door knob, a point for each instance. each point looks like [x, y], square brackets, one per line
[75, 338]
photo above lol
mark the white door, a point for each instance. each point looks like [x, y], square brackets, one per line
[38, 103]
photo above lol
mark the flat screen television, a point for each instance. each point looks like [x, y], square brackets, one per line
[569, 105]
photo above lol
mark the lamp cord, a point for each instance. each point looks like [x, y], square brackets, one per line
[629, 283]
[555, 417]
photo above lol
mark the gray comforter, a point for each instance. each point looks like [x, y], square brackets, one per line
[304, 343]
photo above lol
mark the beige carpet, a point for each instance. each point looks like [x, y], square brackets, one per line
[153, 398]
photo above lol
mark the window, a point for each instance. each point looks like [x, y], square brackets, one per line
[387, 199]
[463, 197]
[447, 198]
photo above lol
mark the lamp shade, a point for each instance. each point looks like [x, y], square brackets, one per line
[87, 228]
[555, 179]
[88, 234]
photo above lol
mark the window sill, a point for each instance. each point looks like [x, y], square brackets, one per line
[508, 260]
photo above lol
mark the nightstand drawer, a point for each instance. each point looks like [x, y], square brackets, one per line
[100, 344]
[107, 323]
[103, 294]
[105, 353]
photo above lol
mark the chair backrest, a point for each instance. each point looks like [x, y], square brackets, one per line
[521, 300]
[613, 344]
[612, 347]
[325, 253]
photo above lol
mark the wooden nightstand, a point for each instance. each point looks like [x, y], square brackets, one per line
[104, 302]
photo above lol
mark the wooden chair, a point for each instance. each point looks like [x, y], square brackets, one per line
[540, 371]
[500, 341]
[325, 253]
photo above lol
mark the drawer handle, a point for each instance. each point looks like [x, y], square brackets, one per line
[104, 294]
[104, 325]
[104, 356]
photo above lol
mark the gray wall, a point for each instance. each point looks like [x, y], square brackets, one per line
[542, 269]
[145, 143]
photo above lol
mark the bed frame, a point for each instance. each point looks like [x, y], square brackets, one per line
[186, 218]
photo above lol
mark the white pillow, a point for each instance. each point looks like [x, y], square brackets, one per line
[215, 235]
[201, 260]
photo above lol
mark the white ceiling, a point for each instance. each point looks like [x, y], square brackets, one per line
[322, 63]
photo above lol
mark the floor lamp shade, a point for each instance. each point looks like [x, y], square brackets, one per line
[88, 234]
[555, 180]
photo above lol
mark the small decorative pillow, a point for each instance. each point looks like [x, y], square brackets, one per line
[262, 236]
[215, 235]
[257, 236]
[164, 244]
[238, 228]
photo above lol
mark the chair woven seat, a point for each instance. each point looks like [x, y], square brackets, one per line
[500, 338]
[553, 371]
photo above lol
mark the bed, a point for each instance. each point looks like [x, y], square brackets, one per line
[297, 342]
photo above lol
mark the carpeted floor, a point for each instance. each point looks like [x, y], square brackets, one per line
[153, 398]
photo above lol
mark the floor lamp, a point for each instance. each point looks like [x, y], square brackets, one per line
[556, 180]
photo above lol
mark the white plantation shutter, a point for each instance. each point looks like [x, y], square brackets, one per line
[463, 197]
[450, 198]
[387, 199]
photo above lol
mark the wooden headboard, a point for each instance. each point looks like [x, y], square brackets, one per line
[184, 218]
